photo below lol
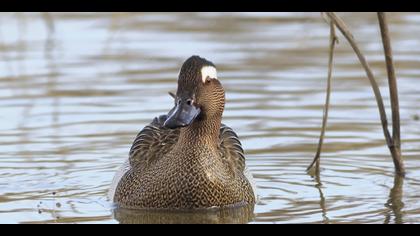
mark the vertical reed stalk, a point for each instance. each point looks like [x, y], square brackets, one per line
[394, 141]
[395, 146]
[333, 39]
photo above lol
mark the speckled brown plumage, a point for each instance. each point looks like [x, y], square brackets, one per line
[198, 166]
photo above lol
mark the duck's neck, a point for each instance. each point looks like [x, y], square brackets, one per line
[203, 132]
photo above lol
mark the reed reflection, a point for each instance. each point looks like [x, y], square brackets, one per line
[395, 203]
[315, 173]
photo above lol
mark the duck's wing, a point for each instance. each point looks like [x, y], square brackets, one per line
[233, 155]
[150, 144]
[153, 142]
[231, 149]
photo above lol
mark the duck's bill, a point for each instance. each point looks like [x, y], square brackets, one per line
[181, 115]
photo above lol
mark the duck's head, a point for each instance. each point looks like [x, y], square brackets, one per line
[199, 96]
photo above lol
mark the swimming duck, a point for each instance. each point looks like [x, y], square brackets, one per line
[187, 159]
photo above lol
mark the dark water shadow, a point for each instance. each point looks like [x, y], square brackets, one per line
[322, 203]
[395, 203]
[237, 215]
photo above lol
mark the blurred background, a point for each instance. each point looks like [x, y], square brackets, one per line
[76, 88]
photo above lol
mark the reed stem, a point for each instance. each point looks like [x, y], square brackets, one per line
[395, 147]
[394, 142]
[333, 40]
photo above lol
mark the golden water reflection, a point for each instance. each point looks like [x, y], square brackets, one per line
[76, 88]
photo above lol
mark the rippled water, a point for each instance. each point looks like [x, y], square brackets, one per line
[75, 89]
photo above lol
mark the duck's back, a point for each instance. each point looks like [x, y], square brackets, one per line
[152, 143]
[157, 175]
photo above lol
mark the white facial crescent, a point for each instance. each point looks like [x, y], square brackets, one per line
[209, 71]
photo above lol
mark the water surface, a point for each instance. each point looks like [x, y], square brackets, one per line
[76, 88]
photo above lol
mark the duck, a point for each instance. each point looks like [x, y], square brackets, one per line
[187, 158]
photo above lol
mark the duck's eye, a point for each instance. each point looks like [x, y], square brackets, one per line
[208, 80]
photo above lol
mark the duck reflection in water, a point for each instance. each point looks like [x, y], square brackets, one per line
[235, 215]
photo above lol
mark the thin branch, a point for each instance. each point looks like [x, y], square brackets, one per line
[393, 90]
[348, 35]
[333, 39]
